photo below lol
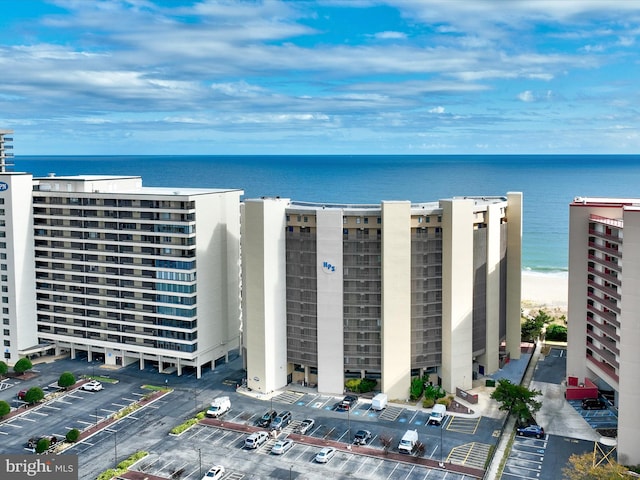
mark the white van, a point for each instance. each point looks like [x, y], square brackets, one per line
[438, 414]
[408, 442]
[219, 406]
[379, 402]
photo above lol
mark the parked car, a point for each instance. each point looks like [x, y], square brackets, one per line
[256, 439]
[282, 420]
[593, 404]
[267, 418]
[531, 431]
[215, 473]
[362, 437]
[33, 441]
[92, 386]
[325, 454]
[347, 403]
[218, 407]
[305, 426]
[22, 394]
[281, 446]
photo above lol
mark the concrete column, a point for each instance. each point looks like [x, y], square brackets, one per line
[457, 293]
[491, 358]
[330, 319]
[396, 298]
[514, 272]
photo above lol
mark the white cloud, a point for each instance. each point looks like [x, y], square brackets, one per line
[526, 96]
[438, 110]
[390, 35]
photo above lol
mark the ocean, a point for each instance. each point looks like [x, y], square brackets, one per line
[548, 182]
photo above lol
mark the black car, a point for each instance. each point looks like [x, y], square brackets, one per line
[531, 431]
[267, 418]
[593, 404]
[362, 437]
[347, 403]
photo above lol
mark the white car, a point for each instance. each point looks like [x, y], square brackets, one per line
[256, 439]
[306, 425]
[281, 446]
[325, 454]
[92, 386]
[215, 473]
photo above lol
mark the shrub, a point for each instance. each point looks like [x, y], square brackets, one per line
[367, 385]
[72, 435]
[556, 333]
[428, 402]
[352, 384]
[4, 368]
[4, 408]
[33, 395]
[43, 445]
[446, 401]
[22, 366]
[417, 387]
[434, 392]
[66, 380]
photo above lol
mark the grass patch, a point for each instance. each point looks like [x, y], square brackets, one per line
[122, 467]
[178, 429]
[155, 388]
[102, 379]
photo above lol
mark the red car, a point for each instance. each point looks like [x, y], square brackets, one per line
[22, 394]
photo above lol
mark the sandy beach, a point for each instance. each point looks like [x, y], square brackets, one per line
[545, 290]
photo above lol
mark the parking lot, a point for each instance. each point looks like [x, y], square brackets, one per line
[459, 440]
[202, 446]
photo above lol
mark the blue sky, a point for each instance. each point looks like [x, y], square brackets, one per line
[320, 77]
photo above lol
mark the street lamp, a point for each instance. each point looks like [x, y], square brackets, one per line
[115, 448]
[96, 417]
[200, 461]
[349, 427]
[290, 467]
[441, 464]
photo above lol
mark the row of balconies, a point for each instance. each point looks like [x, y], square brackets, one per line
[111, 203]
[607, 328]
[604, 366]
[607, 303]
[603, 352]
[608, 343]
[609, 277]
[609, 291]
[58, 239]
[609, 237]
[604, 249]
[148, 215]
[611, 264]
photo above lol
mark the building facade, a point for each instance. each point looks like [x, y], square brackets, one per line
[100, 265]
[389, 291]
[604, 301]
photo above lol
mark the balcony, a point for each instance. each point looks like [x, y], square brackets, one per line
[609, 343]
[608, 250]
[607, 328]
[610, 237]
[611, 305]
[604, 367]
[608, 356]
[606, 290]
[605, 276]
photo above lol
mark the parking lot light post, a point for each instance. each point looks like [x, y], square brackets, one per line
[290, 467]
[115, 448]
[200, 461]
[96, 417]
[441, 454]
[349, 427]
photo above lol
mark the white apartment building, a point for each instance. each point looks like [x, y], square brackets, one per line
[124, 273]
[604, 302]
[387, 291]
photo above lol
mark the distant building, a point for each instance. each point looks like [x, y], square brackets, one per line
[389, 291]
[104, 267]
[604, 304]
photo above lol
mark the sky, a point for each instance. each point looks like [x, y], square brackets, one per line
[212, 77]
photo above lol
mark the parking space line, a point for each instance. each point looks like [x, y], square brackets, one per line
[394, 469]
[119, 405]
[10, 424]
[27, 419]
[51, 407]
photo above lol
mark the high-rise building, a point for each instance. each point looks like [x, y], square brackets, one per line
[389, 291]
[604, 301]
[102, 266]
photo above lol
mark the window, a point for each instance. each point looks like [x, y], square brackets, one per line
[5, 289]
[306, 219]
[3, 267]
[7, 343]
[366, 220]
[358, 219]
[6, 332]
[5, 310]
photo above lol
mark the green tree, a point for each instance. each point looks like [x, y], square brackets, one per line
[4, 408]
[516, 399]
[66, 380]
[583, 467]
[22, 366]
[4, 368]
[33, 395]
[72, 435]
[43, 445]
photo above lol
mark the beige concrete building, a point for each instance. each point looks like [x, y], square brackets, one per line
[389, 291]
[103, 267]
[604, 301]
